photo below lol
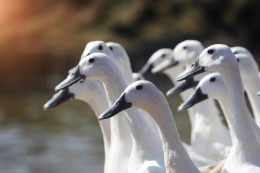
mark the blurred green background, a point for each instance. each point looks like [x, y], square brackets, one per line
[41, 39]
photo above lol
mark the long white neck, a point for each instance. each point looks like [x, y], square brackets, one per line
[125, 68]
[146, 142]
[172, 74]
[207, 115]
[242, 149]
[175, 156]
[252, 86]
[99, 104]
[121, 141]
[127, 72]
[118, 123]
[225, 105]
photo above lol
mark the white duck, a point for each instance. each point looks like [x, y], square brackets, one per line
[208, 133]
[244, 155]
[146, 155]
[120, 151]
[144, 95]
[122, 60]
[120, 57]
[93, 93]
[213, 86]
[249, 72]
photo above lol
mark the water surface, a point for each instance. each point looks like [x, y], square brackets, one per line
[66, 139]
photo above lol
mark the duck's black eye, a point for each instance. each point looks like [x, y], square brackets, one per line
[111, 48]
[100, 47]
[210, 51]
[88, 54]
[184, 47]
[238, 60]
[163, 55]
[235, 52]
[212, 79]
[91, 60]
[139, 87]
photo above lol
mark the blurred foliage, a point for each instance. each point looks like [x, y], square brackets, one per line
[43, 37]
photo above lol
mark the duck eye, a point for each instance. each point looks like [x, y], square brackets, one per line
[185, 47]
[111, 48]
[88, 54]
[163, 55]
[235, 52]
[212, 79]
[91, 60]
[100, 47]
[139, 87]
[210, 51]
[238, 60]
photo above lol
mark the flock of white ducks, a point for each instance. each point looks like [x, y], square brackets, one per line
[139, 132]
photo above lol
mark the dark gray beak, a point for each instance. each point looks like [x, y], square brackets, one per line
[146, 70]
[187, 84]
[58, 98]
[72, 78]
[117, 107]
[195, 98]
[194, 69]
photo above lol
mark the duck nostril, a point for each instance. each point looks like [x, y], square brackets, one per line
[81, 80]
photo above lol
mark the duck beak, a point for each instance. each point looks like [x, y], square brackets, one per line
[187, 84]
[58, 98]
[258, 93]
[72, 78]
[194, 69]
[72, 70]
[164, 66]
[120, 105]
[195, 98]
[146, 70]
